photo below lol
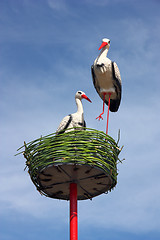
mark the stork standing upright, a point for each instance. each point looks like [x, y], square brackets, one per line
[76, 119]
[107, 80]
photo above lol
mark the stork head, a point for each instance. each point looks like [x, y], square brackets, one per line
[80, 95]
[105, 43]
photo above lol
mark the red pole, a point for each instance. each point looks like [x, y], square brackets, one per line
[73, 212]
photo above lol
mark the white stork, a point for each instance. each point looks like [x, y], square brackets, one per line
[76, 119]
[107, 80]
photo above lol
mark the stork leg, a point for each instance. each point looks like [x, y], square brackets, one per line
[100, 116]
[109, 100]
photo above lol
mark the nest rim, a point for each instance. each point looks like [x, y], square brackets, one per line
[93, 154]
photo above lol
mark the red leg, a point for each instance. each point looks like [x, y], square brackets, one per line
[100, 116]
[108, 112]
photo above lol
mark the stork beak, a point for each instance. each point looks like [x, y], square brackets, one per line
[84, 96]
[103, 45]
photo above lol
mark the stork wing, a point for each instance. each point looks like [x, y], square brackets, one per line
[97, 87]
[116, 74]
[118, 88]
[64, 124]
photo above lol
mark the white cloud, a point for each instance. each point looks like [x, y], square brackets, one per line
[103, 3]
[59, 5]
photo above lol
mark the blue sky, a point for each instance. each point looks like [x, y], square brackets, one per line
[46, 50]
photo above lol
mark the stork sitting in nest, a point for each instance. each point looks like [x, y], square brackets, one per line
[75, 119]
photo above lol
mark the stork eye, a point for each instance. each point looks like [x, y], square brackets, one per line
[109, 42]
[79, 92]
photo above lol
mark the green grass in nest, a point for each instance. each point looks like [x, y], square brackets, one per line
[91, 147]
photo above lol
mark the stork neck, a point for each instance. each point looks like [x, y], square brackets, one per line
[103, 54]
[79, 106]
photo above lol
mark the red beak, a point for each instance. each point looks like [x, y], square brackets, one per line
[84, 96]
[103, 45]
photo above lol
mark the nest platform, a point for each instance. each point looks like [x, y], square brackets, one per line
[88, 158]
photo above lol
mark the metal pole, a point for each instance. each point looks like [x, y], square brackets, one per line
[73, 212]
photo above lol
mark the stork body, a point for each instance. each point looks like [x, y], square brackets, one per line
[107, 80]
[106, 77]
[76, 119]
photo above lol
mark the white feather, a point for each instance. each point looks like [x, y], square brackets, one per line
[76, 119]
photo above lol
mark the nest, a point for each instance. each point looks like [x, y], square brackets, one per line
[88, 158]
